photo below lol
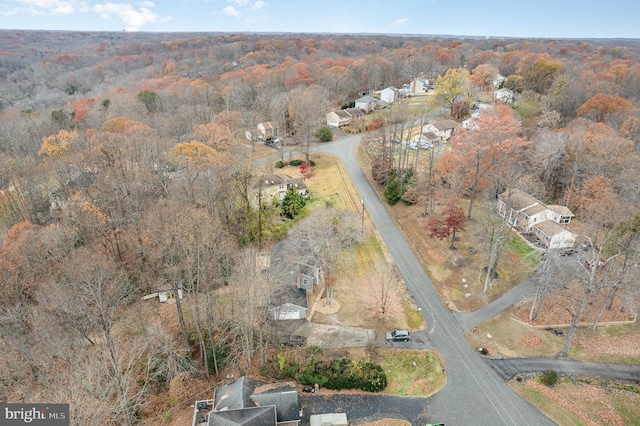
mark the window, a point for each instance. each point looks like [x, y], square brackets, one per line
[564, 219]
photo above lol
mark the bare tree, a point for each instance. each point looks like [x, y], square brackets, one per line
[321, 238]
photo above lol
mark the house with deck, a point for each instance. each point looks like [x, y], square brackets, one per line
[528, 215]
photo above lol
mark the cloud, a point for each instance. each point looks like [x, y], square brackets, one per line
[400, 22]
[133, 19]
[257, 5]
[239, 2]
[231, 11]
[45, 7]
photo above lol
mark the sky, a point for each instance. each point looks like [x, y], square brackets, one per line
[495, 18]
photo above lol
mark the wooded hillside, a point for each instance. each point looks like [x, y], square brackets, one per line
[125, 169]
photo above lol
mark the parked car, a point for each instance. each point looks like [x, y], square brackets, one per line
[293, 340]
[398, 336]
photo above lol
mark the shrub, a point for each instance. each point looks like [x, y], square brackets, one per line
[279, 164]
[324, 133]
[345, 374]
[392, 192]
[295, 162]
[292, 203]
[550, 377]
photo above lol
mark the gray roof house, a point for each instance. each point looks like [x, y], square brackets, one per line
[366, 103]
[250, 402]
[529, 215]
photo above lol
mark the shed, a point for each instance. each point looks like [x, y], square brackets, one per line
[329, 419]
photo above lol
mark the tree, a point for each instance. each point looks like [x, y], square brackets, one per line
[538, 72]
[483, 75]
[393, 190]
[479, 152]
[59, 144]
[602, 106]
[324, 133]
[306, 107]
[451, 87]
[384, 300]
[321, 238]
[292, 203]
[150, 99]
[452, 219]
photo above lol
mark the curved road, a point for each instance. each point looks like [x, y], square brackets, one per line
[474, 393]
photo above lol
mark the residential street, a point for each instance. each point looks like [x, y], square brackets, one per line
[474, 393]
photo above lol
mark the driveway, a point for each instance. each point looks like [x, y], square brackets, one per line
[364, 409]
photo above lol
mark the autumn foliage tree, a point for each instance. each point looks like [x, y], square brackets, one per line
[601, 106]
[483, 75]
[479, 152]
[451, 220]
[451, 87]
[58, 144]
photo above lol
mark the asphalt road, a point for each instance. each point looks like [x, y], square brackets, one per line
[474, 393]
[509, 368]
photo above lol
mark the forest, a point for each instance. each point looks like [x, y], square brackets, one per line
[126, 169]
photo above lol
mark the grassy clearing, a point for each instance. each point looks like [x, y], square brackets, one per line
[547, 405]
[514, 339]
[403, 378]
[424, 378]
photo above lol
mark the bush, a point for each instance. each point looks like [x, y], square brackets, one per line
[279, 164]
[345, 374]
[296, 163]
[325, 134]
[550, 377]
[392, 193]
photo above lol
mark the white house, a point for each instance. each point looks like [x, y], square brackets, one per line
[498, 80]
[366, 103]
[505, 95]
[268, 129]
[419, 85]
[389, 95]
[528, 215]
[443, 129]
[275, 186]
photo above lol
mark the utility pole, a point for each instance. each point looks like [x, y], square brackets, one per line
[362, 227]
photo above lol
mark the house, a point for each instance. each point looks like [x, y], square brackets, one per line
[276, 186]
[389, 95]
[343, 117]
[355, 113]
[338, 118]
[169, 295]
[426, 140]
[528, 215]
[268, 130]
[443, 129]
[366, 103]
[498, 80]
[250, 402]
[418, 86]
[504, 95]
[289, 301]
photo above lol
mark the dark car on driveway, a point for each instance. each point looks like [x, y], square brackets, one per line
[398, 336]
[293, 340]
